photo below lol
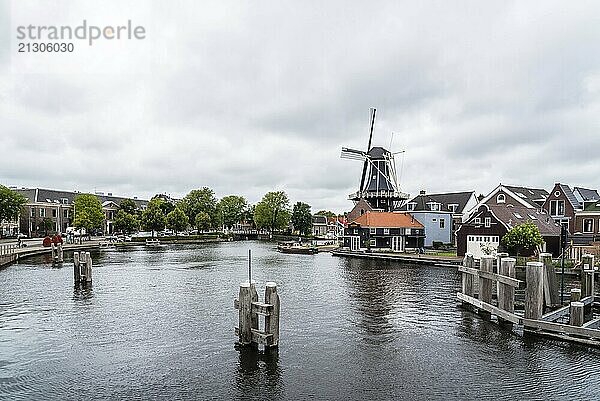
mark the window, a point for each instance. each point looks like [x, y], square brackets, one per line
[442, 223]
[452, 208]
[66, 213]
[434, 206]
[557, 208]
[433, 219]
[501, 198]
[64, 201]
[517, 215]
[356, 231]
[372, 230]
[588, 225]
[373, 242]
[488, 222]
[32, 212]
[557, 194]
[477, 220]
[411, 206]
[42, 212]
[54, 212]
[386, 231]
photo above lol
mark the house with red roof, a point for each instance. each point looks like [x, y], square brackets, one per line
[384, 231]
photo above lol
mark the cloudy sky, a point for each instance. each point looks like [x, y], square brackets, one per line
[249, 97]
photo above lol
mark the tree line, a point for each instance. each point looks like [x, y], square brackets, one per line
[199, 209]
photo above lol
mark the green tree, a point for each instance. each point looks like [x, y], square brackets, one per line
[302, 218]
[11, 203]
[128, 206]
[201, 200]
[126, 222]
[202, 221]
[273, 211]
[232, 209]
[522, 237]
[177, 220]
[153, 218]
[325, 213]
[88, 212]
[46, 225]
[166, 205]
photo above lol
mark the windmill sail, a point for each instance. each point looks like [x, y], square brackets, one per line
[378, 182]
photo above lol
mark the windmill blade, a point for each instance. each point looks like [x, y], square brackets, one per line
[364, 172]
[352, 154]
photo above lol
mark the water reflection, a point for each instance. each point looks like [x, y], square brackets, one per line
[83, 292]
[258, 374]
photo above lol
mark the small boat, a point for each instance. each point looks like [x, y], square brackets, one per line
[297, 248]
[152, 242]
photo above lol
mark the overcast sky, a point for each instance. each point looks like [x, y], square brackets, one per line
[249, 97]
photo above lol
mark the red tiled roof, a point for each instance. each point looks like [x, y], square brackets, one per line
[388, 219]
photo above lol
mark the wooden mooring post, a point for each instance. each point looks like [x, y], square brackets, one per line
[57, 253]
[486, 264]
[551, 295]
[82, 267]
[506, 292]
[249, 310]
[534, 293]
[467, 278]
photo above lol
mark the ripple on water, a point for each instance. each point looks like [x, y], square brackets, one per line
[159, 324]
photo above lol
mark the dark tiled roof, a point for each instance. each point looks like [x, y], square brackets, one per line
[377, 152]
[453, 198]
[534, 196]
[319, 219]
[515, 215]
[28, 193]
[56, 196]
[587, 194]
[570, 196]
[592, 207]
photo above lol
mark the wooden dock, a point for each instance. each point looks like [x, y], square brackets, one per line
[541, 316]
[446, 261]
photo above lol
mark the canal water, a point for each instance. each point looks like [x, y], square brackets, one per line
[159, 324]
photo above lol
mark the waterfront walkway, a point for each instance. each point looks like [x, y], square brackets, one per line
[446, 261]
[34, 250]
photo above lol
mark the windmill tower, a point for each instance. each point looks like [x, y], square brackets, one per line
[378, 182]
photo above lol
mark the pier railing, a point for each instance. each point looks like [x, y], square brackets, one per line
[574, 322]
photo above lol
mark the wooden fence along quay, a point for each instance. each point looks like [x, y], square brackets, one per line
[543, 313]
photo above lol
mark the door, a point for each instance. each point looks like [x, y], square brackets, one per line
[397, 244]
[479, 245]
[354, 243]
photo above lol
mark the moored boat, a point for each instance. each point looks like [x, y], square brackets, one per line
[297, 248]
[152, 242]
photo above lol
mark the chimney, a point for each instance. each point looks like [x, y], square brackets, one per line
[422, 192]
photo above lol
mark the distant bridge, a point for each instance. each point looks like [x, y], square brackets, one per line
[241, 235]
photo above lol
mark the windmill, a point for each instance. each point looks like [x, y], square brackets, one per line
[378, 182]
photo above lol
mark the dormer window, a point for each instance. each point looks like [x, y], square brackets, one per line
[411, 206]
[452, 208]
[501, 198]
[434, 206]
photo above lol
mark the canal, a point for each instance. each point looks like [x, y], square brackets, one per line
[158, 324]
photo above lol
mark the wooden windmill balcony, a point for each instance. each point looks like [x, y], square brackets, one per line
[395, 195]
